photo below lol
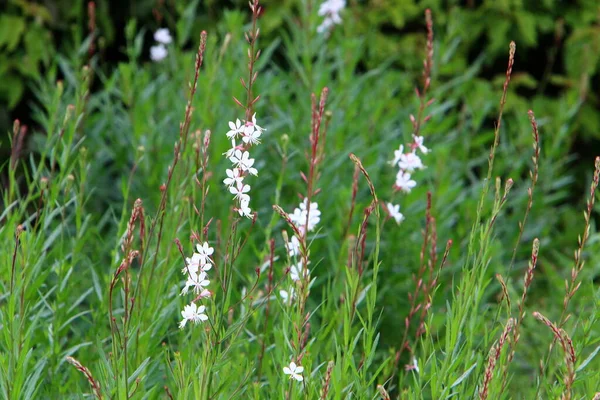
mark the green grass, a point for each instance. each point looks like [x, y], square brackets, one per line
[67, 227]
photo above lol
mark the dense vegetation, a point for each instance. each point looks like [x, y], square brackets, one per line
[407, 222]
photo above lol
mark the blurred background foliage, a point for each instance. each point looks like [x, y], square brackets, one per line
[559, 42]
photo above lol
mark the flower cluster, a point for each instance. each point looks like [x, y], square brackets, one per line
[305, 219]
[197, 278]
[330, 9]
[408, 162]
[238, 154]
[159, 51]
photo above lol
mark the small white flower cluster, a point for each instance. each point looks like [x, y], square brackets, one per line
[196, 271]
[300, 213]
[299, 217]
[294, 371]
[159, 51]
[239, 156]
[407, 162]
[330, 9]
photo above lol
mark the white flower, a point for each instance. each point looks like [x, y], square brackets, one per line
[192, 313]
[197, 262]
[330, 9]
[293, 246]
[298, 217]
[240, 191]
[395, 213]
[288, 296]
[294, 371]
[409, 162]
[415, 365]
[205, 251]
[419, 142]
[234, 176]
[252, 126]
[163, 36]
[244, 209]
[243, 161]
[235, 128]
[314, 215]
[298, 270]
[229, 153]
[397, 154]
[197, 281]
[158, 52]
[252, 136]
[403, 182]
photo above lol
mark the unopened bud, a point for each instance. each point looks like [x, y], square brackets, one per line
[68, 113]
[508, 186]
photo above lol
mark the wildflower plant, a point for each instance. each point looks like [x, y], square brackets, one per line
[408, 160]
[244, 136]
[139, 261]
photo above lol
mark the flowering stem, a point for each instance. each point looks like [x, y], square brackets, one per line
[268, 297]
[252, 58]
[427, 66]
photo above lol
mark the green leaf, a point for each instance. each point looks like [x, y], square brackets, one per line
[11, 30]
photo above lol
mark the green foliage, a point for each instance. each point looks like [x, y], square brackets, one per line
[69, 195]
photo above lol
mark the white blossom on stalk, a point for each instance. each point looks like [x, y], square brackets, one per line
[240, 191]
[252, 136]
[192, 313]
[299, 215]
[205, 251]
[330, 9]
[197, 263]
[294, 371]
[243, 165]
[297, 270]
[163, 36]
[244, 209]
[397, 155]
[415, 365]
[403, 182]
[197, 278]
[419, 144]
[252, 126]
[243, 161]
[234, 176]
[395, 213]
[229, 153]
[158, 52]
[288, 295]
[293, 246]
[407, 164]
[410, 162]
[197, 281]
[235, 129]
